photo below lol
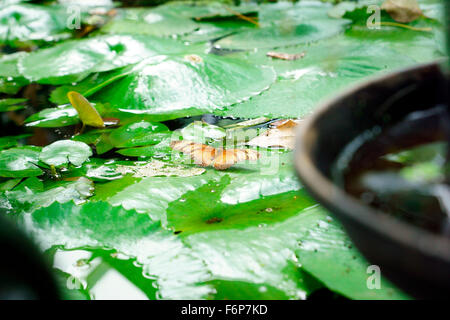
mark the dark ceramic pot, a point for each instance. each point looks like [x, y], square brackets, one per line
[417, 260]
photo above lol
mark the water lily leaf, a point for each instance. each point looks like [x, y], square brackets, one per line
[97, 138]
[86, 112]
[402, 10]
[10, 78]
[20, 162]
[169, 87]
[71, 61]
[31, 197]
[88, 86]
[139, 133]
[325, 69]
[325, 244]
[9, 184]
[213, 214]
[30, 184]
[287, 34]
[12, 104]
[61, 116]
[27, 22]
[64, 152]
[159, 150]
[158, 251]
[241, 290]
[149, 22]
[199, 10]
[11, 141]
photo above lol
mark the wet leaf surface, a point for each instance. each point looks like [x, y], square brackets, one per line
[63, 152]
[117, 207]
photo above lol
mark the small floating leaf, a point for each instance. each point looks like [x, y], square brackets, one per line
[87, 113]
[65, 151]
[53, 117]
[139, 134]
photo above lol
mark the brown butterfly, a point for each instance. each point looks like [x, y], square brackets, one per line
[220, 159]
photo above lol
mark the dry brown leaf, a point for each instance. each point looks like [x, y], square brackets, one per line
[220, 159]
[403, 11]
[285, 56]
[282, 134]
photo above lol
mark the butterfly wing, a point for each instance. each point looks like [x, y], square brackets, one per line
[202, 154]
[226, 158]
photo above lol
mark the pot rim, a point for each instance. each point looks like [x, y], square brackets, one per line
[343, 204]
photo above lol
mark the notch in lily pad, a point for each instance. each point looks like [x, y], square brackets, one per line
[88, 115]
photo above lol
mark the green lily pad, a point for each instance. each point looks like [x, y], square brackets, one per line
[139, 133]
[326, 244]
[27, 22]
[148, 22]
[324, 70]
[71, 61]
[12, 104]
[159, 150]
[10, 78]
[20, 162]
[105, 226]
[199, 131]
[169, 87]
[11, 141]
[282, 35]
[9, 184]
[61, 116]
[64, 152]
[31, 197]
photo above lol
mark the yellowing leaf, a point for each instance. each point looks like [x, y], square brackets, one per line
[402, 10]
[87, 113]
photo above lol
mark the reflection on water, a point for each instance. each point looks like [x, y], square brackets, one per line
[101, 275]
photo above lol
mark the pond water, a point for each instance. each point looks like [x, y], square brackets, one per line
[403, 169]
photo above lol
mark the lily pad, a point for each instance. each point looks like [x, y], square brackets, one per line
[20, 162]
[169, 87]
[325, 69]
[64, 152]
[149, 22]
[30, 198]
[61, 116]
[139, 133]
[11, 141]
[11, 104]
[10, 78]
[71, 61]
[199, 131]
[283, 35]
[27, 22]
